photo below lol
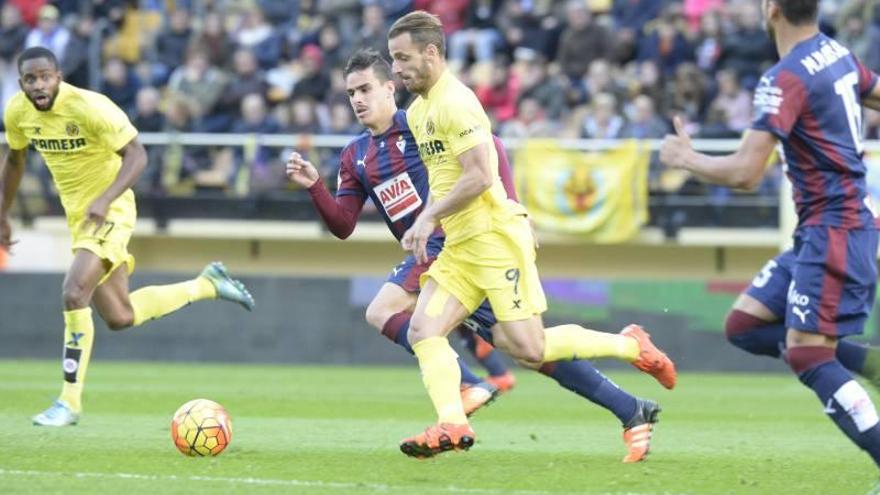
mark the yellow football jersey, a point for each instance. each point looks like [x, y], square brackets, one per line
[78, 139]
[447, 122]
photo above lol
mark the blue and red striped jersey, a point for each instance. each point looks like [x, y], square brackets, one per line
[811, 101]
[386, 168]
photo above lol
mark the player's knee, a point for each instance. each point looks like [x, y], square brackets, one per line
[377, 315]
[75, 296]
[420, 329]
[737, 325]
[531, 356]
[119, 320]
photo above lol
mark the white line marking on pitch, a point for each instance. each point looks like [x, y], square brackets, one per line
[275, 482]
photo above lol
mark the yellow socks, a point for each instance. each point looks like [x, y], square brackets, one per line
[79, 333]
[442, 377]
[158, 300]
[567, 342]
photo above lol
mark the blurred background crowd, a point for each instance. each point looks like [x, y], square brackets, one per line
[577, 68]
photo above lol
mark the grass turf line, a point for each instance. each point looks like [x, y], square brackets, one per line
[333, 430]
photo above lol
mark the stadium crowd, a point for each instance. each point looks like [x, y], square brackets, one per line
[577, 68]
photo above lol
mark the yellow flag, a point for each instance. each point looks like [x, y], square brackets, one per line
[601, 195]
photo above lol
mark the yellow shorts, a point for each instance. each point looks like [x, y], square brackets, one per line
[109, 242]
[499, 266]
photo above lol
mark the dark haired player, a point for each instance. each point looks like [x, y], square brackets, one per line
[823, 289]
[93, 153]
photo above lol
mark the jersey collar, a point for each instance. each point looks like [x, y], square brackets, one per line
[440, 85]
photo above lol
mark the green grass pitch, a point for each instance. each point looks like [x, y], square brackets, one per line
[334, 430]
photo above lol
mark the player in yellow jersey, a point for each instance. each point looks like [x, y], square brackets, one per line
[489, 253]
[93, 153]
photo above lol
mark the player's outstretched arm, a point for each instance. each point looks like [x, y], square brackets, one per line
[339, 214]
[741, 170]
[12, 172]
[134, 161]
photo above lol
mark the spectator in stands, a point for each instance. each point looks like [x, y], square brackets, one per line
[450, 12]
[531, 121]
[603, 120]
[747, 49]
[599, 79]
[650, 82]
[734, 101]
[341, 123]
[247, 79]
[716, 124]
[77, 62]
[303, 117]
[335, 53]
[853, 35]
[644, 123]
[120, 84]
[314, 81]
[279, 12]
[479, 34]
[537, 84]
[872, 59]
[687, 93]
[255, 118]
[178, 161]
[696, 10]
[171, 46]
[199, 85]
[256, 164]
[528, 24]
[372, 29]
[708, 42]
[49, 33]
[256, 34]
[630, 18]
[498, 93]
[147, 117]
[582, 41]
[665, 42]
[13, 33]
[214, 40]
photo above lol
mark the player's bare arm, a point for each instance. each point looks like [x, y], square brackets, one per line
[872, 99]
[476, 177]
[134, 160]
[741, 170]
[301, 171]
[13, 170]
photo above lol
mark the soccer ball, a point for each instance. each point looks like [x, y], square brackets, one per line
[201, 427]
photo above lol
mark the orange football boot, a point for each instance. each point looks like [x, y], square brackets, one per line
[651, 360]
[437, 439]
[475, 396]
[503, 382]
[637, 431]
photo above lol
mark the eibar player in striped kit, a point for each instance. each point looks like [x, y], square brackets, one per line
[807, 300]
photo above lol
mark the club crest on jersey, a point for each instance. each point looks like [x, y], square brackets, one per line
[429, 127]
[72, 129]
[398, 196]
[401, 143]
